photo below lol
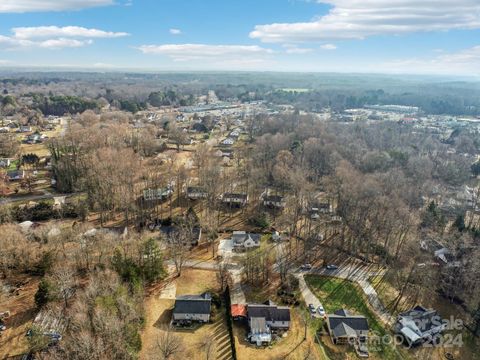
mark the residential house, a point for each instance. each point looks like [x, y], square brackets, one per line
[419, 325]
[274, 201]
[5, 162]
[347, 329]
[324, 207]
[265, 320]
[192, 308]
[235, 199]
[195, 193]
[228, 142]
[15, 175]
[25, 129]
[228, 153]
[35, 138]
[158, 194]
[235, 134]
[441, 254]
[244, 241]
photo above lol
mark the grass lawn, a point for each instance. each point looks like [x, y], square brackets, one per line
[336, 294]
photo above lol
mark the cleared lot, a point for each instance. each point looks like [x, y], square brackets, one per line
[158, 313]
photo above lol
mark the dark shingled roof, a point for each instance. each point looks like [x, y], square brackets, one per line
[342, 323]
[270, 313]
[193, 304]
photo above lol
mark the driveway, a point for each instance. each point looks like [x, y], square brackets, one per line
[225, 248]
[307, 294]
[237, 296]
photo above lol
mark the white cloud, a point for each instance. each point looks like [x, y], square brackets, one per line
[358, 19]
[53, 37]
[22, 6]
[62, 43]
[67, 31]
[188, 52]
[293, 49]
[328, 47]
[4, 62]
[464, 62]
[175, 31]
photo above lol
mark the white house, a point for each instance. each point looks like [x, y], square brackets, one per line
[265, 320]
[236, 199]
[243, 240]
[228, 142]
[5, 163]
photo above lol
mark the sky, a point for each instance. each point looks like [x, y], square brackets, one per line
[368, 36]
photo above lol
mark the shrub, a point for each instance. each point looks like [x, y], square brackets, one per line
[259, 220]
[44, 293]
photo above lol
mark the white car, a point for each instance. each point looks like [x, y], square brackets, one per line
[321, 311]
[332, 267]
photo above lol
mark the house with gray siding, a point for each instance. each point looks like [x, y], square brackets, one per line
[267, 319]
[192, 308]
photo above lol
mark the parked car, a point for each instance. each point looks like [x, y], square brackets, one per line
[306, 267]
[332, 267]
[312, 309]
[321, 311]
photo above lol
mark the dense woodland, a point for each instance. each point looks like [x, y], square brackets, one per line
[131, 92]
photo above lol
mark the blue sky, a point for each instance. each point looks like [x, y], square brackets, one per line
[389, 36]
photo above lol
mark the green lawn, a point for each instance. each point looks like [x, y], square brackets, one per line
[336, 294]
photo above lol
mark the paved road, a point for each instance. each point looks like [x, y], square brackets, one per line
[45, 196]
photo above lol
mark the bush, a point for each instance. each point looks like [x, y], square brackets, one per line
[5, 214]
[45, 263]
[44, 293]
[40, 212]
[259, 220]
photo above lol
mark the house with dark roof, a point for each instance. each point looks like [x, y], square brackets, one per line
[15, 175]
[158, 194]
[347, 329]
[192, 308]
[265, 320]
[274, 201]
[196, 192]
[244, 241]
[419, 325]
[235, 199]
